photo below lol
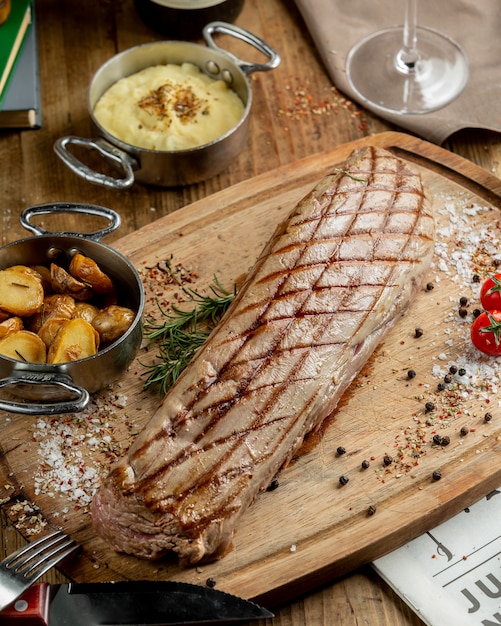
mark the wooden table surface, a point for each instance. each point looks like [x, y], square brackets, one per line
[296, 112]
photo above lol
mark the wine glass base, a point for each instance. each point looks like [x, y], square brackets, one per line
[437, 78]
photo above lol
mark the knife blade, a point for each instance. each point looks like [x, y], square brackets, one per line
[129, 603]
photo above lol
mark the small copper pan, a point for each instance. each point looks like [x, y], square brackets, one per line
[177, 167]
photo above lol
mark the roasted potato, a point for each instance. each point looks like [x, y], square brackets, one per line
[21, 292]
[63, 282]
[26, 269]
[56, 305]
[88, 271]
[112, 322]
[10, 325]
[86, 311]
[76, 339]
[44, 273]
[50, 328]
[23, 345]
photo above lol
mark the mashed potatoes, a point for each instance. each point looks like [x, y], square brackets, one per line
[168, 107]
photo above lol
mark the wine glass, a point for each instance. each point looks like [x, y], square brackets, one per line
[407, 69]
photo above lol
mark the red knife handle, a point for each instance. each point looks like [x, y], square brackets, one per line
[30, 609]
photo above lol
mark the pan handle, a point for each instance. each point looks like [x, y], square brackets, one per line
[248, 37]
[44, 408]
[112, 216]
[108, 151]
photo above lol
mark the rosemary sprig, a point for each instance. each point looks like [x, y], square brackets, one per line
[359, 180]
[181, 333]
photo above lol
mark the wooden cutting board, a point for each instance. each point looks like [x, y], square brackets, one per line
[310, 529]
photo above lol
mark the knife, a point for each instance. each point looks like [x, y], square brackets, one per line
[128, 603]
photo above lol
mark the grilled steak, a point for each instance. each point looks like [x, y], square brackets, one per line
[332, 281]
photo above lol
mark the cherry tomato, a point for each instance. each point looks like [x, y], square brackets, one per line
[486, 332]
[490, 293]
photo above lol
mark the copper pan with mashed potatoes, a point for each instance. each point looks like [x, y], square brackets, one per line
[169, 113]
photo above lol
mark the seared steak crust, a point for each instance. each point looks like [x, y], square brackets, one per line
[331, 282]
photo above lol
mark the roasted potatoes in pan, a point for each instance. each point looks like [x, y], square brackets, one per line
[56, 314]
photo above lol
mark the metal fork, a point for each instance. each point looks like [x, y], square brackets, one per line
[24, 566]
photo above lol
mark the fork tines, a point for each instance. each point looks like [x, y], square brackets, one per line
[37, 557]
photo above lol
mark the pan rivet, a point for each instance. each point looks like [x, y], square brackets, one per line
[227, 76]
[212, 67]
[54, 253]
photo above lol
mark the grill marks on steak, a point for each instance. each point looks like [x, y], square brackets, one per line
[328, 286]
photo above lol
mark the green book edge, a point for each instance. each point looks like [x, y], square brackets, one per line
[12, 36]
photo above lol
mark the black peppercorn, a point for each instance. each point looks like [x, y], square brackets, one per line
[437, 475]
[429, 286]
[487, 417]
[365, 464]
[341, 450]
[210, 582]
[371, 510]
[476, 312]
[453, 369]
[463, 301]
[462, 311]
[464, 431]
[387, 460]
[273, 485]
[429, 406]
[445, 441]
[441, 386]
[437, 439]
[461, 371]
[447, 379]
[411, 374]
[343, 480]
[475, 278]
[418, 332]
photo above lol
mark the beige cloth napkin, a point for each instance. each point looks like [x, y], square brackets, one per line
[336, 25]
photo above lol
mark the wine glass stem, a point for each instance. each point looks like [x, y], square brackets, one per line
[408, 55]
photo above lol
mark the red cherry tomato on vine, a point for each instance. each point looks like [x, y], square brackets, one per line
[486, 332]
[490, 293]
